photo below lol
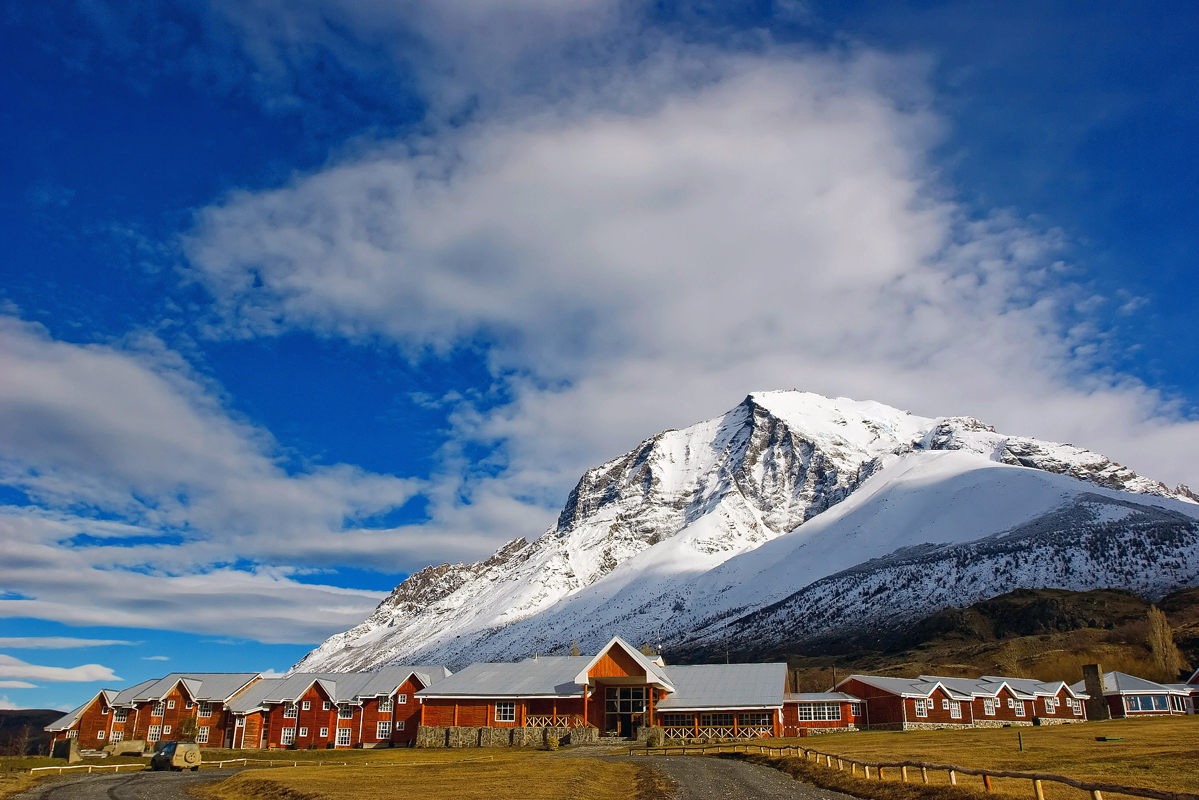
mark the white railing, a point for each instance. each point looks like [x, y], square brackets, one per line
[551, 721]
[719, 732]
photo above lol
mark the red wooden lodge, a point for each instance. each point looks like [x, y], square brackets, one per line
[1128, 696]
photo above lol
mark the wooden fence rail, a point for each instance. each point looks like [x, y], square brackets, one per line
[1037, 778]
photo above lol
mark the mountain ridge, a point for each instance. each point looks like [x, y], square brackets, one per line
[677, 526]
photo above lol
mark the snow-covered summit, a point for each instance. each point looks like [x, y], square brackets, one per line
[667, 532]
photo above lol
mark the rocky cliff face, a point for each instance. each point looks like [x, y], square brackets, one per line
[655, 527]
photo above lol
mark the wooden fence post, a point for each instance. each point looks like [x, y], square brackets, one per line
[840, 765]
[987, 782]
[867, 768]
[853, 768]
[903, 774]
[924, 774]
[880, 774]
[953, 779]
[1038, 789]
[1096, 795]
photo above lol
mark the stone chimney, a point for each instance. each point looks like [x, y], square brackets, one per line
[1097, 708]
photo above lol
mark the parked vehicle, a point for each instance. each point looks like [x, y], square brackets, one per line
[176, 756]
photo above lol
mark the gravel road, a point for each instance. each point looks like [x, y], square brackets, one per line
[123, 785]
[702, 778]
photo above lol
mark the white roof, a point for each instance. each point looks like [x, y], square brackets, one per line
[1123, 683]
[340, 687]
[543, 676]
[732, 686]
[201, 686]
[821, 697]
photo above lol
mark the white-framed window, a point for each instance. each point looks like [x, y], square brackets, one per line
[166, 730]
[1011, 703]
[385, 705]
[955, 710]
[307, 704]
[1177, 703]
[326, 706]
[505, 711]
[170, 704]
[158, 709]
[303, 733]
[343, 736]
[383, 729]
[399, 725]
[345, 711]
[289, 711]
[855, 710]
[118, 736]
[74, 734]
[921, 708]
[818, 711]
[240, 722]
[205, 709]
[104, 710]
[121, 715]
[944, 704]
[1019, 708]
[100, 734]
[989, 706]
[155, 733]
[201, 735]
[324, 733]
[287, 736]
[402, 699]
[188, 705]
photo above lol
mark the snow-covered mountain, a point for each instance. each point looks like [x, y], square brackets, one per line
[791, 516]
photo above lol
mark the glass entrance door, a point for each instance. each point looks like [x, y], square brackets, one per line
[624, 710]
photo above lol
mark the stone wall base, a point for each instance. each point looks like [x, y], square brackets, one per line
[459, 736]
[1003, 723]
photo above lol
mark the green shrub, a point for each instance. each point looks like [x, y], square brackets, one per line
[551, 742]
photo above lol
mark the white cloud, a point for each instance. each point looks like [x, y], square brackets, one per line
[6, 704]
[156, 658]
[55, 642]
[15, 668]
[17, 685]
[643, 255]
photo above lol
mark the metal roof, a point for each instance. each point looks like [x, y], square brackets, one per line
[341, 687]
[726, 686]
[821, 697]
[655, 671]
[66, 721]
[1031, 686]
[552, 676]
[214, 686]
[1123, 683]
[909, 687]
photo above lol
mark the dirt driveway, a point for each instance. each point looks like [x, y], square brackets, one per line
[123, 786]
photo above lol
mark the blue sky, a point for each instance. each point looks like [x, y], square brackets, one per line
[297, 298]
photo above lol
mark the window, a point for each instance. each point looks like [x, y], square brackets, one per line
[1050, 704]
[385, 705]
[921, 708]
[345, 711]
[240, 723]
[158, 709]
[121, 715]
[505, 711]
[855, 710]
[1019, 708]
[303, 733]
[166, 730]
[99, 734]
[1132, 703]
[944, 704]
[1176, 703]
[402, 699]
[170, 704]
[188, 705]
[400, 725]
[118, 736]
[155, 733]
[955, 710]
[287, 736]
[716, 720]
[289, 711]
[201, 735]
[326, 706]
[307, 704]
[343, 736]
[205, 709]
[1011, 703]
[324, 733]
[821, 711]
[676, 720]
[104, 711]
[760, 719]
[1159, 703]
[989, 706]
[74, 734]
[383, 730]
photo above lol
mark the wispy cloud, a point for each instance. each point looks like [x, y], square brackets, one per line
[56, 642]
[17, 685]
[156, 658]
[15, 668]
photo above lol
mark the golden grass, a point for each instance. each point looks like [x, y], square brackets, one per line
[527, 774]
[1155, 753]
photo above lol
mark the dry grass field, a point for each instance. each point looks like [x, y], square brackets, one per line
[1155, 754]
[410, 775]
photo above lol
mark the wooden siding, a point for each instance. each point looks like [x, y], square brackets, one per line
[616, 663]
